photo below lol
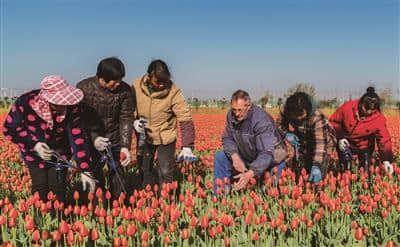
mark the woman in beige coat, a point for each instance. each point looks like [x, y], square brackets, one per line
[160, 107]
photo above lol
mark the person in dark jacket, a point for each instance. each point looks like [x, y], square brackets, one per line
[109, 105]
[251, 145]
[47, 120]
[309, 132]
[359, 124]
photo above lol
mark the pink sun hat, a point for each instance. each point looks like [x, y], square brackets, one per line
[56, 90]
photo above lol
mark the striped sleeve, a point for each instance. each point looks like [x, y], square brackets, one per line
[281, 125]
[321, 130]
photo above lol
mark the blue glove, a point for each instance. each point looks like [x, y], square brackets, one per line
[315, 175]
[280, 166]
[293, 139]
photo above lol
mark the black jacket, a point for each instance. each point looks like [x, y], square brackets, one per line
[108, 113]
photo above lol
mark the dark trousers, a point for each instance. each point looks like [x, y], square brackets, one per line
[115, 184]
[166, 170]
[364, 157]
[45, 180]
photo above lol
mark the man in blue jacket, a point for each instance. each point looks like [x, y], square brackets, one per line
[251, 145]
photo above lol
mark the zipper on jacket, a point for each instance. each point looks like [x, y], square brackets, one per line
[357, 122]
[151, 99]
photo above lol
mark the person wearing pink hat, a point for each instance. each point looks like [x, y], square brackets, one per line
[47, 121]
[108, 109]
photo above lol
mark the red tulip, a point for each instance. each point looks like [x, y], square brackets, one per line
[99, 193]
[131, 230]
[193, 222]
[45, 235]
[145, 236]
[90, 196]
[84, 211]
[249, 218]
[36, 236]
[108, 195]
[12, 222]
[166, 240]
[358, 233]
[116, 242]
[83, 231]
[76, 195]
[384, 213]
[120, 230]
[347, 209]
[109, 220]
[284, 228]
[390, 243]
[255, 236]
[212, 232]
[55, 235]
[172, 227]
[161, 229]
[124, 242]
[64, 227]
[77, 210]
[94, 235]
[29, 223]
[204, 222]
[185, 233]
[3, 220]
[70, 238]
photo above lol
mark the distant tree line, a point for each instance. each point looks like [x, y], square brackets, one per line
[268, 100]
[6, 102]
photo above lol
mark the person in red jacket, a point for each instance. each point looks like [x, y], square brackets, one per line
[45, 121]
[359, 124]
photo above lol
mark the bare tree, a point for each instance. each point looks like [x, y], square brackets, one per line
[301, 87]
[263, 101]
[386, 96]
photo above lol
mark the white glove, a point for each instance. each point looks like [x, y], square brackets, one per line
[88, 180]
[388, 167]
[139, 125]
[43, 150]
[100, 143]
[343, 144]
[186, 155]
[127, 155]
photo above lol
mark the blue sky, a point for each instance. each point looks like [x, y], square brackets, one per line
[212, 47]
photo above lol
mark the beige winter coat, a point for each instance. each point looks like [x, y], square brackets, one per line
[163, 110]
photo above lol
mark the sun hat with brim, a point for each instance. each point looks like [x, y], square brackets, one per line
[56, 90]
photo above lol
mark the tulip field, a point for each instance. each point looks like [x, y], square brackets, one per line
[345, 209]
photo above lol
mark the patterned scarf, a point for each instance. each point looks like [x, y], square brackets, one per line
[42, 109]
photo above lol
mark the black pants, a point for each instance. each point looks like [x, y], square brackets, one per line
[364, 157]
[116, 185]
[166, 170]
[46, 180]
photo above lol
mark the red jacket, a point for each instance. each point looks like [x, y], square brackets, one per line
[362, 132]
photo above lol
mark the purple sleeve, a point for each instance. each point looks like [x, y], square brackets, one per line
[188, 133]
[228, 142]
[264, 146]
